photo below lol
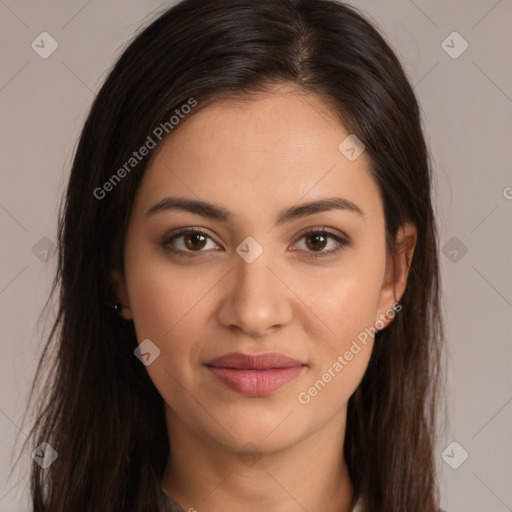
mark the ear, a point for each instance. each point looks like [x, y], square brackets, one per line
[119, 284]
[397, 272]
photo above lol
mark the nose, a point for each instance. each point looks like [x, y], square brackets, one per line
[256, 299]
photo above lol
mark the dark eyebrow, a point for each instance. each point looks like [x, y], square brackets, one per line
[209, 210]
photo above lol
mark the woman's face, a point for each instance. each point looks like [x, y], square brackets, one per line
[253, 281]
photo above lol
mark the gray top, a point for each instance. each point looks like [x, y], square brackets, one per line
[170, 504]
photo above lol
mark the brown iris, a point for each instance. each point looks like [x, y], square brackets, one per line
[192, 240]
[316, 237]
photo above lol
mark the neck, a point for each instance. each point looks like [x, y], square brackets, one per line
[310, 475]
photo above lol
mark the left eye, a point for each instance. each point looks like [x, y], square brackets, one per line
[194, 240]
[317, 239]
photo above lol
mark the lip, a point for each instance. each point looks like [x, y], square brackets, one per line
[255, 374]
[245, 361]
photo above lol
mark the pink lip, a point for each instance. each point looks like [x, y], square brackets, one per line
[255, 374]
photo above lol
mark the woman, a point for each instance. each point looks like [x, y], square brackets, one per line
[249, 286]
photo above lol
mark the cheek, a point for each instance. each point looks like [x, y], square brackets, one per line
[340, 358]
[345, 298]
[166, 301]
[168, 307]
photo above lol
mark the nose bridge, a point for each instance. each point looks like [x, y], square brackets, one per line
[256, 299]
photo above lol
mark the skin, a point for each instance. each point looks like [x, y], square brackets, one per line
[256, 158]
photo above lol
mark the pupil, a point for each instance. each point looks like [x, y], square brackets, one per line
[316, 237]
[191, 240]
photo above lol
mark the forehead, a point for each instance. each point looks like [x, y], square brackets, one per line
[265, 152]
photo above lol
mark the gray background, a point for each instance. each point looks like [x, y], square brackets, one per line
[467, 108]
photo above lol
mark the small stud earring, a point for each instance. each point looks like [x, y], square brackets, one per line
[116, 308]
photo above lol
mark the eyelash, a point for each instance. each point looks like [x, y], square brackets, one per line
[166, 242]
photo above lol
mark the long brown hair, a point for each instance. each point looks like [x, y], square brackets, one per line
[98, 407]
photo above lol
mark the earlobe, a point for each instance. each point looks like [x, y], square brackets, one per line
[397, 269]
[121, 292]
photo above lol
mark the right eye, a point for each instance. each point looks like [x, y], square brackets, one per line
[193, 240]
